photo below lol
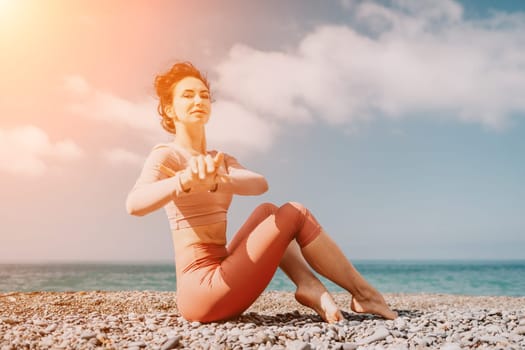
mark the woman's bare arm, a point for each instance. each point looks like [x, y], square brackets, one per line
[154, 189]
[241, 180]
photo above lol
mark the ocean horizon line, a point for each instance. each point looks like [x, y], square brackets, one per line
[167, 262]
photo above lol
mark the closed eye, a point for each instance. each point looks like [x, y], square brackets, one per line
[190, 93]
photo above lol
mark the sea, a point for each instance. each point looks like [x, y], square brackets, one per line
[480, 278]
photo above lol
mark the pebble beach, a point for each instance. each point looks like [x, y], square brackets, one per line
[149, 320]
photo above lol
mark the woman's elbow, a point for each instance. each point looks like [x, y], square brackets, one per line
[260, 188]
[264, 186]
[132, 209]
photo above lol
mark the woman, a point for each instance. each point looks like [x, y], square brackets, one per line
[216, 281]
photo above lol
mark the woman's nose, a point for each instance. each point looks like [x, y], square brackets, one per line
[197, 99]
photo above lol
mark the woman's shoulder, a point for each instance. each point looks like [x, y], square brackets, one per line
[163, 145]
[167, 147]
[168, 150]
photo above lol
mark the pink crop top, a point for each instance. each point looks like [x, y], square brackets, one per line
[188, 209]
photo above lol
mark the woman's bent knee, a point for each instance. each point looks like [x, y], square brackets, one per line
[298, 206]
[266, 208]
[292, 212]
[297, 218]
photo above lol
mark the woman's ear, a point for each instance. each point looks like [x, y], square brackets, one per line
[170, 112]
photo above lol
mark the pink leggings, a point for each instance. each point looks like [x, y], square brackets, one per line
[220, 282]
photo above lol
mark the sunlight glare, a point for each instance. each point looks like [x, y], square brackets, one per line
[5, 7]
[4, 4]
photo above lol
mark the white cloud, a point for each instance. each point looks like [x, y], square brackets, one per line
[234, 129]
[349, 4]
[268, 83]
[107, 107]
[26, 150]
[417, 59]
[119, 156]
[66, 149]
[76, 84]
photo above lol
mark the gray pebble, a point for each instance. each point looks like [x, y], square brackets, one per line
[51, 328]
[423, 341]
[298, 345]
[493, 339]
[379, 334]
[396, 334]
[331, 335]
[314, 330]
[88, 335]
[171, 343]
[139, 344]
[245, 340]
[40, 323]
[492, 329]
[46, 342]
[235, 332]
[519, 330]
[398, 347]
[400, 324]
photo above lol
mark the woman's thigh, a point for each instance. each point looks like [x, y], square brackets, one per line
[257, 250]
[258, 247]
[256, 217]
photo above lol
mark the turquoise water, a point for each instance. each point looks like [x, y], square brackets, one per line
[452, 277]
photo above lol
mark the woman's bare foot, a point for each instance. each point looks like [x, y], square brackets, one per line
[317, 298]
[374, 304]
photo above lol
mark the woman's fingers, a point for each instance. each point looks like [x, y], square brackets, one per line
[194, 167]
[222, 176]
[218, 159]
[198, 167]
[201, 165]
[210, 164]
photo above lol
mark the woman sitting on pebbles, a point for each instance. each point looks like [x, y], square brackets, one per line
[216, 281]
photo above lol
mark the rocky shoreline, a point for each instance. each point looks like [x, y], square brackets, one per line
[150, 320]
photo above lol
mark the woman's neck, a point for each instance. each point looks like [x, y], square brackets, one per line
[192, 140]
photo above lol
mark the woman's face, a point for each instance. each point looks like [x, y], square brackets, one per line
[191, 101]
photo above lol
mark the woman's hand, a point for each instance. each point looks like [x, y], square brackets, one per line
[203, 173]
[202, 166]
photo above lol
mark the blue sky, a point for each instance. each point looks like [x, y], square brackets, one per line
[399, 124]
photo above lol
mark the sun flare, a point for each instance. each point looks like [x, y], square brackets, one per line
[4, 4]
[6, 7]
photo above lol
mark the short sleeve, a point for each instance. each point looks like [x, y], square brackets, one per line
[160, 154]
